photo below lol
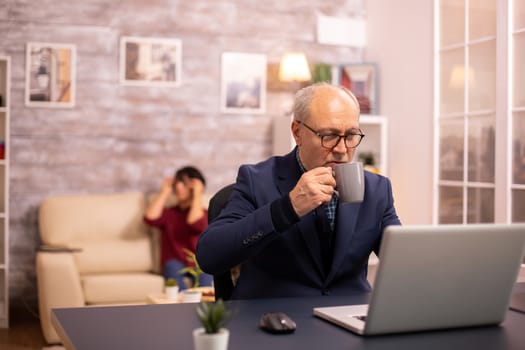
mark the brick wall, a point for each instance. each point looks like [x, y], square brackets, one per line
[120, 138]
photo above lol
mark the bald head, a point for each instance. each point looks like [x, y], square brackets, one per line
[307, 98]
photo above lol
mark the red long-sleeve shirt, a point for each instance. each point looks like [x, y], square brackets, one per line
[177, 233]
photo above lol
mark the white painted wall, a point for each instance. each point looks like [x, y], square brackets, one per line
[400, 40]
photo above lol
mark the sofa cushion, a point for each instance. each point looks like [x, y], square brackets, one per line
[120, 288]
[66, 220]
[114, 256]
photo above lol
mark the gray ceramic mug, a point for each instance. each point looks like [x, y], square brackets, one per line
[350, 182]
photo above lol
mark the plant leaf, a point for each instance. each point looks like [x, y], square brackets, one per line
[213, 315]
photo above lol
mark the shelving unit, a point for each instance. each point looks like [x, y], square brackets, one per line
[375, 128]
[4, 190]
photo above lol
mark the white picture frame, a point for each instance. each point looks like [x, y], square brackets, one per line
[50, 75]
[150, 61]
[243, 83]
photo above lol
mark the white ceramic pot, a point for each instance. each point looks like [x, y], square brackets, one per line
[190, 296]
[215, 341]
[172, 292]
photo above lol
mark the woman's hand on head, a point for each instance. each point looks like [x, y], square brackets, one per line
[167, 185]
[197, 187]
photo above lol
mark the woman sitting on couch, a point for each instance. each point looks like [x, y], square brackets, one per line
[181, 225]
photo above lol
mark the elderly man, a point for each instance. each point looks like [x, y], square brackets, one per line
[283, 224]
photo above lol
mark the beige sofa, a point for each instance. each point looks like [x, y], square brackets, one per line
[96, 251]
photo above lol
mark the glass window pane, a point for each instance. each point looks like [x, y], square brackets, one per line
[480, 205]
[482, 18]
[452, 22]
[519, 14]
[450, 205]
[451, 148]
[452, 81]
[518, 206]
[518, 75]
[482, 76]
[518, 149]
[481, 149]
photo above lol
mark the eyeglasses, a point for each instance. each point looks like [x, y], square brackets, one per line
[330, 141]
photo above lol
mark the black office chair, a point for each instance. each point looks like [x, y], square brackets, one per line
[222, 281]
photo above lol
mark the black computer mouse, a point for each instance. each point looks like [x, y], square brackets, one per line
[277, 322]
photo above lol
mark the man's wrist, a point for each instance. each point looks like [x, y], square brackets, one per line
[283, 213]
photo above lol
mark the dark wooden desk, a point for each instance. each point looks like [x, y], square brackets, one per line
[170, 326]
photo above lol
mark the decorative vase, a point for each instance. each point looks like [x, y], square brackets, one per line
[322, 72]
[210, 341]
[172, 292]
[190, 296]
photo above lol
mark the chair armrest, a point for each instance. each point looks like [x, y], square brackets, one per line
[59, 285]
[57, 249]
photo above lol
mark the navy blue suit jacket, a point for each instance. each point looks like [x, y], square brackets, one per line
[289, 263]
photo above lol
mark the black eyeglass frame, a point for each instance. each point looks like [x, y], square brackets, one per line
[344, 136]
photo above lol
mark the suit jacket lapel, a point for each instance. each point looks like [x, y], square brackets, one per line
[287, 172]
[346, 217]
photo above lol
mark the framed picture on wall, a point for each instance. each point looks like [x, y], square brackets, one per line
[150, 61]
[361, 79]
[50, 75]
[243, 83]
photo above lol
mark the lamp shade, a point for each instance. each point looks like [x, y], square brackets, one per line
[294, 67]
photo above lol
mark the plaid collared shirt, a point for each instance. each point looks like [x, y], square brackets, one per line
[331, 207]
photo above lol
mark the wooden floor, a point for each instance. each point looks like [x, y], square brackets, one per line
[24, 331]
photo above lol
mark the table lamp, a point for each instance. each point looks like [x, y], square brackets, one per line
[294, 68]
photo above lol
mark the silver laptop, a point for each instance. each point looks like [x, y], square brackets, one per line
[437, 277]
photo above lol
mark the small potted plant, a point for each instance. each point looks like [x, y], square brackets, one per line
[194, 270]
[171, 288]
[212, 335]
[191, 295]
[369, 162]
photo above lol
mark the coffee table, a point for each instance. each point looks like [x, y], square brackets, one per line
[208, 295]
